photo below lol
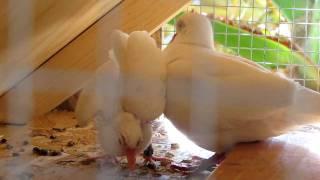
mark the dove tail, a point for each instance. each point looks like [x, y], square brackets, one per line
[85, 108]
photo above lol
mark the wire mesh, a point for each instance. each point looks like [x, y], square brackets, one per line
[280, 35]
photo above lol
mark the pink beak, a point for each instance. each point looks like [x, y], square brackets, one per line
[131, 157]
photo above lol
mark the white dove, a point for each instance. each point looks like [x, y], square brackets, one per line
[143, 74]
[109, 96]
[219, 100]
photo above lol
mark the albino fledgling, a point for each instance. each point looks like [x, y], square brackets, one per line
[219, 100]
[114, 96]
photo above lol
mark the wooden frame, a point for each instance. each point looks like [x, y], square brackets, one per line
[67, 71]
[31, 31]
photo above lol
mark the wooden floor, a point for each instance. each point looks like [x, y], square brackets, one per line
[294, 156]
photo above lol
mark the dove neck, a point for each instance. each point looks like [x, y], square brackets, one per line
[196, 39]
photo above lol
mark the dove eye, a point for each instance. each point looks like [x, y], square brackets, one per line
[139, 142]
[181, 25]
[122, 140]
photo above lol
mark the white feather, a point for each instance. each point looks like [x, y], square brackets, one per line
[104, 97]
[218, 100]
[143, 77]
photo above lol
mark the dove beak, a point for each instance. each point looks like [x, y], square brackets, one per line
[131, 157]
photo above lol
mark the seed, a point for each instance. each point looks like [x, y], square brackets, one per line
[52, 137]
[87, 161]
[186, 161]
[3, 140]
[25, 143]
[41, 152]
[174, 146]
[8, 146]
[70, 144]
[36, 149]
[54, 153]
[169, 155]
[151, 166]
[15, 154]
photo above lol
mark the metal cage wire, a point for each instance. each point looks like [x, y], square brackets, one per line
[262, 19]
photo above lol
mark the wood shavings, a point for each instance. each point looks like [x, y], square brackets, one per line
[79, 149]
[57, 120]
[59, 129]
[41, 132]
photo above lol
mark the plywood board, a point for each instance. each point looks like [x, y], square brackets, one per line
[66, 72]
[31, 31]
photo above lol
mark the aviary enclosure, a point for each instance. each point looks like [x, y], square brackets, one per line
[50, 50]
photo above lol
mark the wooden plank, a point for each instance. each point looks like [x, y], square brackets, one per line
[67, 71]
[292, 156]
[157, 36]
[31, 31]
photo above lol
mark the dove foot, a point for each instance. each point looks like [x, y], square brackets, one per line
[149, 159]
[148, 155]
[212, 162]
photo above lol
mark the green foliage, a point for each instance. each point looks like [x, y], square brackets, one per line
[293, 9]
[262, 50]
[313, 41]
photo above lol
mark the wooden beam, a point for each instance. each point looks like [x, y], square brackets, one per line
[31, 31]
[157, 36]
[68, 71]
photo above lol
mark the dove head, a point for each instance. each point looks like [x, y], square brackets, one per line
[193, 28]
[130, 137]
[142, 73]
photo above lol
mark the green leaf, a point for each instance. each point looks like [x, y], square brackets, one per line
[173, 21]
[293, 9]
[313, 41]
[262, 50]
